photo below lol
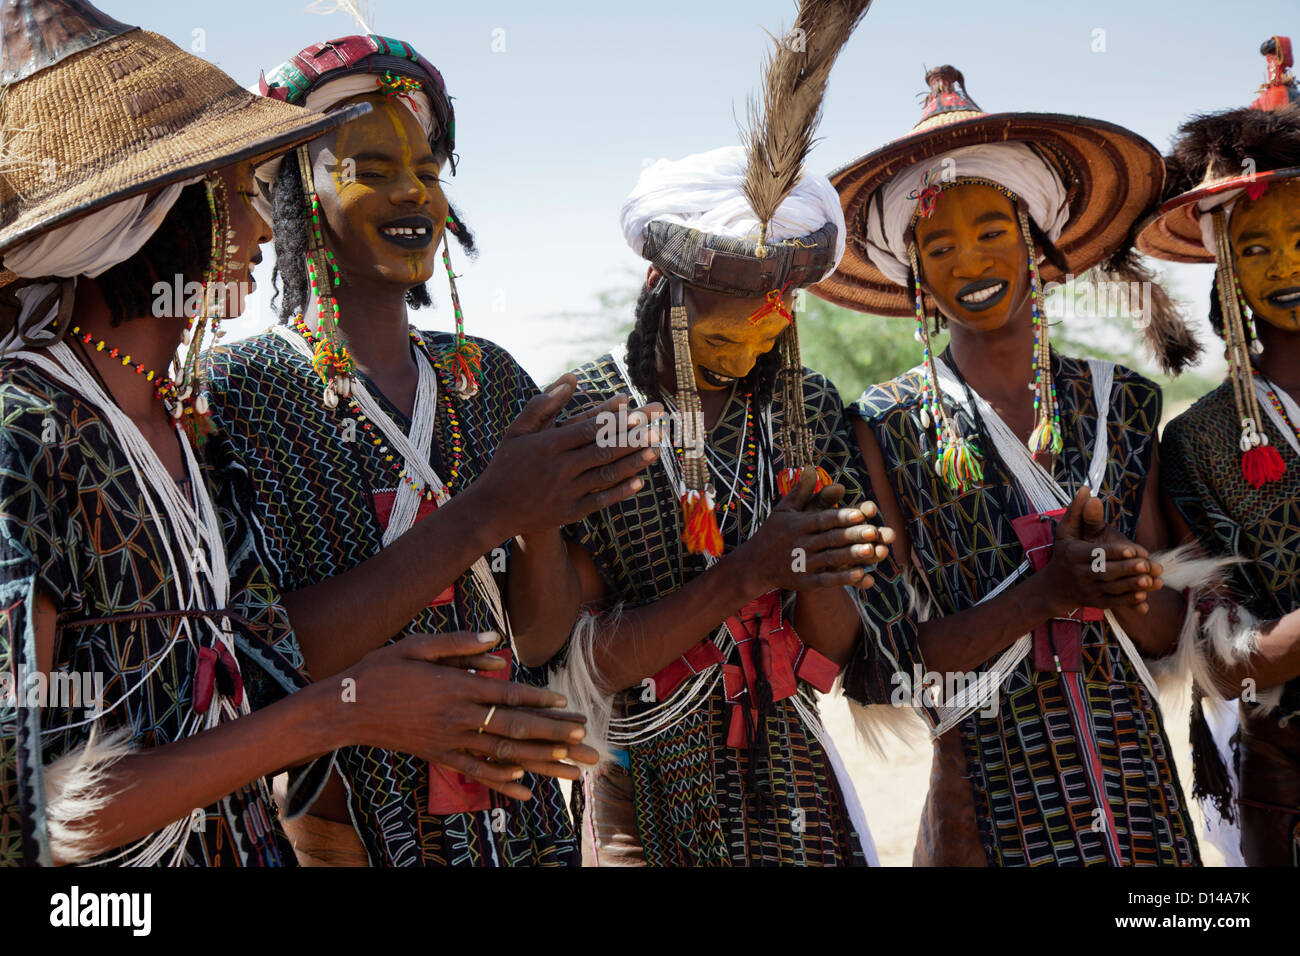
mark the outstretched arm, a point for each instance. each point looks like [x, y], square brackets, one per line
[540, 477]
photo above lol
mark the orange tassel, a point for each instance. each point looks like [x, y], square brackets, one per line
[701, 534]
[789, 477]
[1262, 465]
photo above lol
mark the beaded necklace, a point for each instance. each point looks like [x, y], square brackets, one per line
[1276, 402]
[377, 442]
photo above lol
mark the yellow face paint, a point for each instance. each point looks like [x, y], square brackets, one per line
[386, 211]
[1265, 235]
[973, 258]
[725, 344]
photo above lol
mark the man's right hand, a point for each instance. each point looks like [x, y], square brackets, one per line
[413, 696]
[809, 543]
[544, 475]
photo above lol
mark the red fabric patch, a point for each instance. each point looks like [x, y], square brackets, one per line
[450, 791]
[383, 511]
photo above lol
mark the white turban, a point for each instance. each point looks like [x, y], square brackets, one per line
[88, 246]
[1016, 166]
[706, 192]
[329, 95]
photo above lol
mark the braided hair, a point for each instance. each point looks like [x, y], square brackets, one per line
[288, 217]
[180, 246]
[642, 362]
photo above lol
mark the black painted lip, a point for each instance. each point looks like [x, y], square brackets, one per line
[1289, 290]
[988, 303]
[409, 222]
[713, 378]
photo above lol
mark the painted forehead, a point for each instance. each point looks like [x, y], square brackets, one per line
[390, 128]
[1282, 198]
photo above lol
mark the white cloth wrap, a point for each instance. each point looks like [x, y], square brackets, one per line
[1016, 166]
[706, 191]
[88, 246]
[1206, 208]
[329, 95]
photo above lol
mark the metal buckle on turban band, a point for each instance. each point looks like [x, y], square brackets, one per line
[732, 266]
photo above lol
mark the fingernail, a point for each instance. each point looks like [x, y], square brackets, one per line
[577, 733]
[561, 702]
[517, 775]
[648, 455]
[637, 484]
[489, 637]
[559, 389]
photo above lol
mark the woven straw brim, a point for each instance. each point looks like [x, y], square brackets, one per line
[1111, 175]
[127, 117]
[1173, 232]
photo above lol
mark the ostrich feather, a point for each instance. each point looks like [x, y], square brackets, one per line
[795, 71]
[351, 7]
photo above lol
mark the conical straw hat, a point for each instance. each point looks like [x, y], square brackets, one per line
[93, 111]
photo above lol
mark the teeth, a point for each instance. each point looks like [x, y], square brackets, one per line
[405, 230]
[982, 295]
[1289, 297]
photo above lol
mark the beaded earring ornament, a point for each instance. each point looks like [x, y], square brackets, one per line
[1260, 461]
[330, 357]
[957, 459]
[1046, 436]
[463, 360]
[796, 438]
[190, 404]
[700, 533]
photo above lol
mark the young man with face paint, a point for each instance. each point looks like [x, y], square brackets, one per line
[1021, 485]
[720, 595]
[127, 629]
[1231, 463]
[391, 466]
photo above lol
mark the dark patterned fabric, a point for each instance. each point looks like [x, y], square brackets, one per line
[1200, 472]
[315, 482]
[693, 804]
[1069, 760]
[74, 524]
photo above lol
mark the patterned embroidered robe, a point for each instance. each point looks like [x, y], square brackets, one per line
[74, 524]
[1200, 471]
[317, 477]
[693, 802]
[1061, 775]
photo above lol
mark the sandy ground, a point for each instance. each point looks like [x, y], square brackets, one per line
[892, 788]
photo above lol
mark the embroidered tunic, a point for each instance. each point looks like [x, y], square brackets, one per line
[1200, 470]
[321, 489]
[75, 525]
[1074, 769]
[692, 788]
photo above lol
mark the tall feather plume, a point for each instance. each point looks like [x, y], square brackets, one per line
[351, 7]
[781, 127]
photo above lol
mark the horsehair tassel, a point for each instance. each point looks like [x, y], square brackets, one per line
[700, 533]
[1261, 463]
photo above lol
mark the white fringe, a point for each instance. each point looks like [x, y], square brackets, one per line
[75, 789]
[1185, 569]
[579, 679]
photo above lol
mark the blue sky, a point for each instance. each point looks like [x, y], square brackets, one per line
[556, 122]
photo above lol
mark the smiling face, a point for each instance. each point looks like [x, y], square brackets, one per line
[1266, 253]
[384, 210]
[725, 345]
[973, 258]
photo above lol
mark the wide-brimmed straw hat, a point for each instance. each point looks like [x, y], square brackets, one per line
[93, 111]
[1111, 176]
[1239, 149]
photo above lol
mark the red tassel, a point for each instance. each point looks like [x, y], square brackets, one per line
[789, 477]
[1262, 465]
[701, 534]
